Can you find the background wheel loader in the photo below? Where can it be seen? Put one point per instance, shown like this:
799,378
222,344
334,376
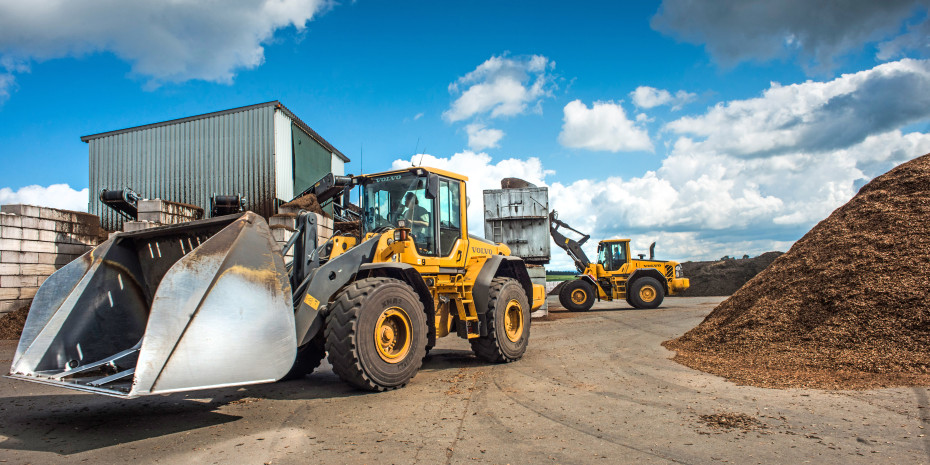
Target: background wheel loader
212,303
615,275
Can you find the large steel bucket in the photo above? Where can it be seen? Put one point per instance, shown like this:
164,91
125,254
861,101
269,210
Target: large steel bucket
201,305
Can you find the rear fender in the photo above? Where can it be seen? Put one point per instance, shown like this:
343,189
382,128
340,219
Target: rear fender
496,266
643,272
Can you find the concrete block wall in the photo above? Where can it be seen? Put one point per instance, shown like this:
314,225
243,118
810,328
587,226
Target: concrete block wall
284,224
34,243
159,212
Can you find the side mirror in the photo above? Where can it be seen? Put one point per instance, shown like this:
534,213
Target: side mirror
432,186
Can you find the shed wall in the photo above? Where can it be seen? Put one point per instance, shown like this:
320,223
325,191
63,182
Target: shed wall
284,157
231,153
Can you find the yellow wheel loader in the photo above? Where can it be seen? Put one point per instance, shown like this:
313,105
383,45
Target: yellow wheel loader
615,275
211,303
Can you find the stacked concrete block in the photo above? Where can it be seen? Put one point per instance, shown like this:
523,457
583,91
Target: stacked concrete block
284,224
167,212
34,243
538,276
133,226
550,285
159,212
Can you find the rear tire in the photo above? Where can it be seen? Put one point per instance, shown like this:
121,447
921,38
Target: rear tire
577,296
508,323
376,334
646,293
309,357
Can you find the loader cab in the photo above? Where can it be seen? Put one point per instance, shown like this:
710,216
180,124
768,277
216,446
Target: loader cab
613,254
428,202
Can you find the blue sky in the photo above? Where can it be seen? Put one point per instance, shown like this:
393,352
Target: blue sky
651,120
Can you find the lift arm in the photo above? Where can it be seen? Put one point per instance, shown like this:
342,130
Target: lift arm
571,247
335,188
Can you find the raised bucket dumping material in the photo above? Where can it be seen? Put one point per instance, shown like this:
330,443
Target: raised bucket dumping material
202,305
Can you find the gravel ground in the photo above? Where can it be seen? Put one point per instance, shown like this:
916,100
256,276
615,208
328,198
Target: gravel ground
594,387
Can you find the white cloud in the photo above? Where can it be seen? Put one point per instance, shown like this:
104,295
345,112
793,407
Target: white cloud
6,82
816,116
483,174
754,175
501,86
54,196
915,39
699,205
164,41
746,176
604,126
480,138
702,205
418,116
740,30
650,97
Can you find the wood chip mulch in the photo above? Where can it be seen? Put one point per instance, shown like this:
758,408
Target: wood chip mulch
729,421
723,277
11,324
307,202
847,307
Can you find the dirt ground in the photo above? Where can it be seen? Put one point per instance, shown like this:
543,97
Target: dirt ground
594,387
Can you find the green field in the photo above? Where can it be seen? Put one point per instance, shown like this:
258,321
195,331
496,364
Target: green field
559,277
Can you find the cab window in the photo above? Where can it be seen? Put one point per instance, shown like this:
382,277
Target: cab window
611,255
390,201
450,221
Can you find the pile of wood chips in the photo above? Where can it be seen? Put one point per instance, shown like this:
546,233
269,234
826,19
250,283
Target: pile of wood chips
723,277
11,324
307,202
848,307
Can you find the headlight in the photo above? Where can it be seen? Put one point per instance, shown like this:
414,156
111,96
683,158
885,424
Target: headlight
678,272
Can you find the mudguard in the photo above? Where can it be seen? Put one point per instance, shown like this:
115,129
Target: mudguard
651,272
499,265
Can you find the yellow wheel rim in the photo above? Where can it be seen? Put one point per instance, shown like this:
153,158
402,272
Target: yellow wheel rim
647,293
513,320
579,296
392,334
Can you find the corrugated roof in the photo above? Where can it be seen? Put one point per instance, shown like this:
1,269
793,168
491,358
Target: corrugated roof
313,134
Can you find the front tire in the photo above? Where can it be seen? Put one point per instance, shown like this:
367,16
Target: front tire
376,334
577,296
508,323
308,358
646,293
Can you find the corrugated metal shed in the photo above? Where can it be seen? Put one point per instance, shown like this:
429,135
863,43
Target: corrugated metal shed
246,150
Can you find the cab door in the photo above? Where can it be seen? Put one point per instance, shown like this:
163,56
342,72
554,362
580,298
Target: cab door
453,239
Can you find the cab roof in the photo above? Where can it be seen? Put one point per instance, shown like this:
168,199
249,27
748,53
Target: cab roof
615,240
419,170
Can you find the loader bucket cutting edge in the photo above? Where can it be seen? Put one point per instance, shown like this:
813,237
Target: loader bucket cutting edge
202,305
